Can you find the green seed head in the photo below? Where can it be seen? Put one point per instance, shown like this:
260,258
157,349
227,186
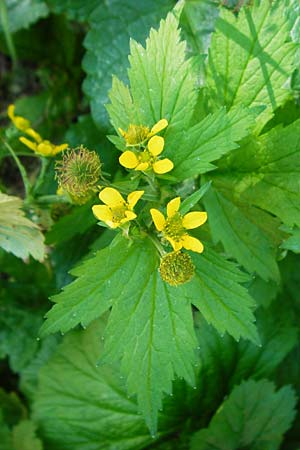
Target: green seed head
176,268
78,174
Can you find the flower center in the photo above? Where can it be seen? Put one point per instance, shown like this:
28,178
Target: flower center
118,213
145,156
174,228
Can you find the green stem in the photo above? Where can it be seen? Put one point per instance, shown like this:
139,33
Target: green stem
21,168
158,245
44,166
7,33
49,199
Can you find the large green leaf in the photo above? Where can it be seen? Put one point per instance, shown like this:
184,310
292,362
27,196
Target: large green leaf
224,362
265,173
240,237
18,234
216,292
150,327
162,84
254,416
251,57
82,405
112,24
207,141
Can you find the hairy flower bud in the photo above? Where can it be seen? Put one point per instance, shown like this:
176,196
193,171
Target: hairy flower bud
176,268
78,174
136,134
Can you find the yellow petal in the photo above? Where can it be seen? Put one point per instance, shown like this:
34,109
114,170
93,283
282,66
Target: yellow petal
156,145
128,159
60,148
45,148
192,243
133,198
160,125
158,219
173,206
142,166
102,212
111,197
130,215
177,245
11,112
28,143
32,133
162,166
194,219
21,123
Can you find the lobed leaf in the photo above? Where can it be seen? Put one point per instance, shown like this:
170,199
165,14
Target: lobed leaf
208,140
265,173
216,292
254,416
240,237
251,57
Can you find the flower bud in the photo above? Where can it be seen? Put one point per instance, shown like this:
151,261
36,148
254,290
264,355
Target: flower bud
78,174
176,268
136,134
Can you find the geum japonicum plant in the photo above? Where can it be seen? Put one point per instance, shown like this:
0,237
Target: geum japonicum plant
192,181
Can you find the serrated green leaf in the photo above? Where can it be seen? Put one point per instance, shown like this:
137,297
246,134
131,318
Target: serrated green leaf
254,416
216,292
162,84
240,237
208,140
153,334
265,173
107,50
194,198
18,234
23,13
251,57
74,9
73,382
150,328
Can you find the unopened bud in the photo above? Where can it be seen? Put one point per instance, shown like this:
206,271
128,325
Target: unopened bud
176,268
78,174
136,134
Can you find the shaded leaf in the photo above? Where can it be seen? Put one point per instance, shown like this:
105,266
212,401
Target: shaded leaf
254,416
251,57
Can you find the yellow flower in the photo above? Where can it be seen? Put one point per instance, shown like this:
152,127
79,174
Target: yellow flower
137,134
175,227
42,147
38,145
116,211
148,159
20,122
